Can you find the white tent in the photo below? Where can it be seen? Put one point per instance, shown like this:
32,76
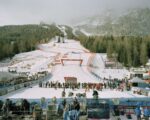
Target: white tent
136,80
7,75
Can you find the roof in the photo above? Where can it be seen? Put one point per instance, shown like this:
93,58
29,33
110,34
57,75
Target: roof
147,81
70,78
136,80
7,75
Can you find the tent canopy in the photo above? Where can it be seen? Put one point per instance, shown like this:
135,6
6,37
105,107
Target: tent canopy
7,76
136,80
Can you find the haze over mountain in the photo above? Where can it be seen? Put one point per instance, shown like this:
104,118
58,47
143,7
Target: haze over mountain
61,11
122,26
133,22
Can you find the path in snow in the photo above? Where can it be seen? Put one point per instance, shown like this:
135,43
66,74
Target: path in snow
74,50
38,93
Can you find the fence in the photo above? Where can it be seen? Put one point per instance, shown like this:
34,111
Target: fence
89,108
9,89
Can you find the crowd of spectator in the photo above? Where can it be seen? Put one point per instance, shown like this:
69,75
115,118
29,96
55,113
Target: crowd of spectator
113,84
68,109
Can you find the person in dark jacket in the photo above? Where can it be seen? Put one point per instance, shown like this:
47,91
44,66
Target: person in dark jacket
6,107
95,94
77,108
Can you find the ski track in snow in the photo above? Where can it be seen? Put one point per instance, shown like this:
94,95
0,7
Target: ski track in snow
72,49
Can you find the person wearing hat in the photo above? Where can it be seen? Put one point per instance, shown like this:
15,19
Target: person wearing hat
54,101
95,94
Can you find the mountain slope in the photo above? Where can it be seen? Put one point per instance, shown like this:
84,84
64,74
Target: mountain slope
22,38
133,23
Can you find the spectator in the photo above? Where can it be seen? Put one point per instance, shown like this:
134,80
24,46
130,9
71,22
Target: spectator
64,102
138,113
37,112
146,113
1,105
25,106
77,108
95,94
54,101
63,93
40,84
60,108
43,103
66,113
6,106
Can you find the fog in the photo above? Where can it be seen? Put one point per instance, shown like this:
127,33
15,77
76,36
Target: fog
60,11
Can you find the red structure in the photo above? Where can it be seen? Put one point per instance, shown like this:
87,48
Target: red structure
62,60
70,80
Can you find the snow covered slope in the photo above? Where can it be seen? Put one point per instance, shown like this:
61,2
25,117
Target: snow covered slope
54,52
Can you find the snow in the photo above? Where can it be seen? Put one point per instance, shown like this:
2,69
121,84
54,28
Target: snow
74,30
38,93
48,54
112,73
99,61
86,33
73,71
33,61
100,70
3,69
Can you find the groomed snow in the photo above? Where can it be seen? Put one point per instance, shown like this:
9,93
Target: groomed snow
37,60
73,71
100,70
38,93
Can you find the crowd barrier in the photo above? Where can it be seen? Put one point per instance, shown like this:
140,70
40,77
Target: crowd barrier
89,108
6,90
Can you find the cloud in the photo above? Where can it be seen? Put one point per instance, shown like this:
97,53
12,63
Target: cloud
59,11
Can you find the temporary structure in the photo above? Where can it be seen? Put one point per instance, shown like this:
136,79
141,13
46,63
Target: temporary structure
136,80
70,80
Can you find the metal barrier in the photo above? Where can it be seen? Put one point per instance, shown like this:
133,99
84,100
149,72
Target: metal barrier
89,108
9,89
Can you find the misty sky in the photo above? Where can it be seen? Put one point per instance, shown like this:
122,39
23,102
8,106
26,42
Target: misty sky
59,11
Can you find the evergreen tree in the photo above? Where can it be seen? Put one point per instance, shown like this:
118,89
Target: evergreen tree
128,49
110,49
143,53
131,50
22,38
58,39
135,56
